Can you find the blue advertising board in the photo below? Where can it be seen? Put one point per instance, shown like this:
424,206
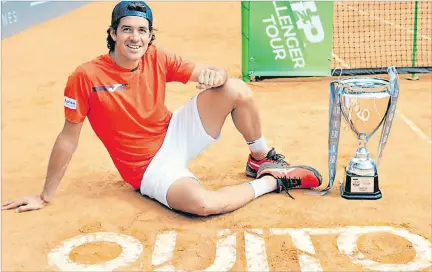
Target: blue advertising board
20,15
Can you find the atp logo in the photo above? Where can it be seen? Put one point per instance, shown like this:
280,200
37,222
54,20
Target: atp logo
310,24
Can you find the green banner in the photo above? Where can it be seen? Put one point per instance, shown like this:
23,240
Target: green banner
286,38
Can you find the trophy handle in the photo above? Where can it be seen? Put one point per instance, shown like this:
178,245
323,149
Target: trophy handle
394,94
333,137
394,80
334,93
334,132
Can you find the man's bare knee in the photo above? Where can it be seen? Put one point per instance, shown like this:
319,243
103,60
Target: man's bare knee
237,90
205,207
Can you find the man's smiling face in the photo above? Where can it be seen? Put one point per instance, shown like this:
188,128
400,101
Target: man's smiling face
132,38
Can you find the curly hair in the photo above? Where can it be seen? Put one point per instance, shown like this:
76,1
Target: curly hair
136,6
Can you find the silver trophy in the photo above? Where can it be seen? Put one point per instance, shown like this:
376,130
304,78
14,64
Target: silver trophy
366,104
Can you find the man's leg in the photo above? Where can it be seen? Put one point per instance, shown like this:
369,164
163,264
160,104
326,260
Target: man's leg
235,97
185,194
188,196
214,105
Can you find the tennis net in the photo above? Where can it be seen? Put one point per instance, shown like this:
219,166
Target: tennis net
369,36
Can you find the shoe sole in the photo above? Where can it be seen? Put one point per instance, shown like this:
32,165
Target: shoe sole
273,166
250,172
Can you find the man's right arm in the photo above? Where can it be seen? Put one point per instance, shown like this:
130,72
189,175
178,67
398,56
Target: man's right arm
64,147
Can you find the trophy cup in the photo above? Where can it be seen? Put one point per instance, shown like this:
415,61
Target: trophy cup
366,104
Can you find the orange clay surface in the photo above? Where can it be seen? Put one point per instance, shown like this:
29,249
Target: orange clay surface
93,198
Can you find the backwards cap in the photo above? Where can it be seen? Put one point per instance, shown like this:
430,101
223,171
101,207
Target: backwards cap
121,10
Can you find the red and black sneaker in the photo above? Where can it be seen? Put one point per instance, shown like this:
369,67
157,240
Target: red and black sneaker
291,177
252,165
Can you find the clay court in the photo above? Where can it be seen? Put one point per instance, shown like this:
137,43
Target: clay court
92,197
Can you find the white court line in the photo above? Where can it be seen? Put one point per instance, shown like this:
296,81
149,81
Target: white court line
415,128
384,21
346,65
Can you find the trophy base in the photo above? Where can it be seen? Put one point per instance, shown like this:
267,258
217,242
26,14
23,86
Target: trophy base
361,187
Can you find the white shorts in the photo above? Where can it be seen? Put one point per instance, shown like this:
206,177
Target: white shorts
185,139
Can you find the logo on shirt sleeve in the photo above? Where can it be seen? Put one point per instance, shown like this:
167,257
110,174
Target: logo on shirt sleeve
70,103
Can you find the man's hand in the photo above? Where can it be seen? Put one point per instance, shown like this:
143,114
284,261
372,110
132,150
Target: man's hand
64,147
28,203
209,78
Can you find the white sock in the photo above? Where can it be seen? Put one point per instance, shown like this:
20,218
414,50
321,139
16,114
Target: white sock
259,146
263,186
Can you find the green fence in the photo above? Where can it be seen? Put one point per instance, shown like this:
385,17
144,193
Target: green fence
286,38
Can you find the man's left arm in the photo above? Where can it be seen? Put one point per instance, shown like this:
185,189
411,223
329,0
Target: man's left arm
208,76
181,70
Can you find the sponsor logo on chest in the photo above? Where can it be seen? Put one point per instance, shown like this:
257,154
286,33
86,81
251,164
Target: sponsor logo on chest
110,88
